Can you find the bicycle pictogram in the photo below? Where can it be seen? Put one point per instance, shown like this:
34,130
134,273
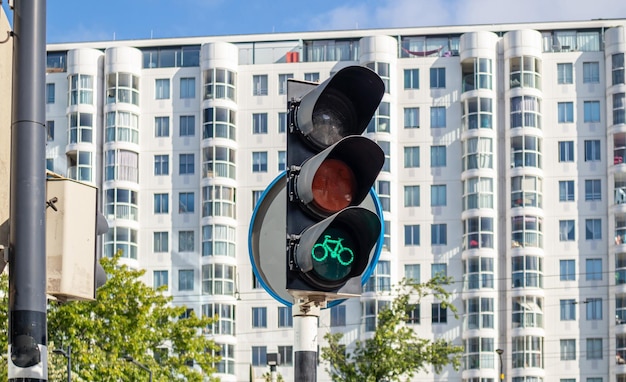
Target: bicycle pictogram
335,248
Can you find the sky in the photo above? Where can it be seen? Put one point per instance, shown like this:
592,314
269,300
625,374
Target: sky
97,20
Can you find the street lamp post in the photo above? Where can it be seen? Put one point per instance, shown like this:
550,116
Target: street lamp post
130,359
500,351
67,354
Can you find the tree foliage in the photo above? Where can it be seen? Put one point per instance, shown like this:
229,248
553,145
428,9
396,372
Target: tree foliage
128,318
395,351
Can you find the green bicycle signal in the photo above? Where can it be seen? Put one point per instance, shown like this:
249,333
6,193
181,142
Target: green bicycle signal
335,249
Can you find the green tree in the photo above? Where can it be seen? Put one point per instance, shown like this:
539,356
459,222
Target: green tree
395,352
131,318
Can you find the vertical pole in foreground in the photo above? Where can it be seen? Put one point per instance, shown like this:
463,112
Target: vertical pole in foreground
28,353
305,318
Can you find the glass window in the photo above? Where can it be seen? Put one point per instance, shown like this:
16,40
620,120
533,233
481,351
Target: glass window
282,122
526,151
185,279
259,123
438,269
50,96
218,200
439,234
411,196
619,108
282,82
186,241
187,126
477,113
593,229
282,160
411,117
338,316
437,117
381,279
479,314
477,153
186,202
527,351
160,242
412,234
259,85
567,270
162,126
188,87
259,356
312,77
218,161
527,231
594,309
411,79
565,112
81,89
186,164
591,72
219,83
160,279
525,112
259,161
218,240
437,78
593,189
564,73
439,313
593,269
568,350
412,273
162,88
383,188
49,131
594,348
286,355
478,233
566,191
411,157
259,317
568,310
413,315
438,195
161,203
525,71
438,156
567,230
617,68
285,317
591,111
592,150
566,151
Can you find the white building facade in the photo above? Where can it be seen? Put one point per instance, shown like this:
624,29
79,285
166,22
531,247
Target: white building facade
505,168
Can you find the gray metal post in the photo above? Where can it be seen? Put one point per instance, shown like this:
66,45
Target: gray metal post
28,353
305,319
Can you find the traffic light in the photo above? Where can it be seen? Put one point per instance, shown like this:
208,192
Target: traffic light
331,169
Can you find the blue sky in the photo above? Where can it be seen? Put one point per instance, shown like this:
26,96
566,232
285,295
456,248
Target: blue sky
93,20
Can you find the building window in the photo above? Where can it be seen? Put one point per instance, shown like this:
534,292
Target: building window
386,146
527,312
438,156
160,242
527,271
592,150
185,279
477,153
50,96
527,231
186,164
479,273
383,188
619,108
437,78
412,273
477,113
594,309
568,350
225,323
161,203
122,127
50,164
282,161
527,351
219,122
413,314
617,68
568,310
186,241
160,279
593,189
49,131
594,348
564,73
591,72
526,151
566,151
593,269
282,82
478,233
338,316
218,200
259,317
188,87
412,78
525,112
187,126
567,270
437,117
81,89
411,117
411,157
565,112
81,127
312,77
380,120
438,195
186,202
439,313
259,356
566,191
525,72
286,355
479,313
439,234
218,279
381,279
591,111
219,83
218,161
438,270
259,123
411,196
412,234
162,126
259,161
282,123
285,317
567,230
162,88
593,229
259,85
218,240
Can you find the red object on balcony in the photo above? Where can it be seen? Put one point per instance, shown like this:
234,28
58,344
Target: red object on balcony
293,57
617,160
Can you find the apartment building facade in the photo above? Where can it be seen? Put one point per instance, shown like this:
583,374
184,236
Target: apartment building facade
504,168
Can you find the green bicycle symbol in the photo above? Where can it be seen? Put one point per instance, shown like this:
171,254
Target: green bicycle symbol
336,250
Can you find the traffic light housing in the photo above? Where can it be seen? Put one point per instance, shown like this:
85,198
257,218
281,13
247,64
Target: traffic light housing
331,169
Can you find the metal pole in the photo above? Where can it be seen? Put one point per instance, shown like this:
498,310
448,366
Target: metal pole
305,318
68,355
500,351
28,353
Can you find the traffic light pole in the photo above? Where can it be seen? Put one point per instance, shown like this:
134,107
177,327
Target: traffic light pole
27,239
306,314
